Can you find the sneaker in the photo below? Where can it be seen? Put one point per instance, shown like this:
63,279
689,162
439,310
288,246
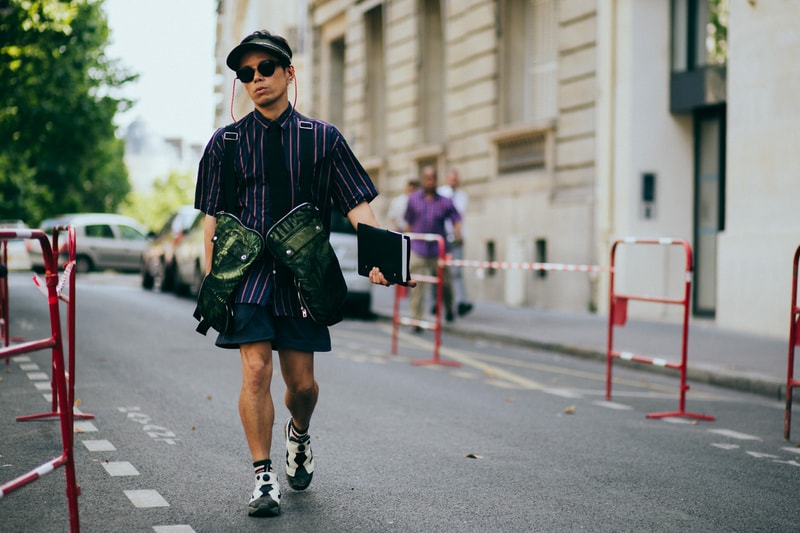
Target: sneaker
299,458
266,499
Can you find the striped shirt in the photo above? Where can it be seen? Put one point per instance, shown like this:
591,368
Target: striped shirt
427,215
338,176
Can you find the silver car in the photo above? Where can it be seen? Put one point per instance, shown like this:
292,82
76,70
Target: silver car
102,241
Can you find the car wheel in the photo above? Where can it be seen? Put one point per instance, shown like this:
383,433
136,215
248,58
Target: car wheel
147,278
83,264
170,274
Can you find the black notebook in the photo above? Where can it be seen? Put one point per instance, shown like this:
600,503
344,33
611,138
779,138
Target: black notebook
388,250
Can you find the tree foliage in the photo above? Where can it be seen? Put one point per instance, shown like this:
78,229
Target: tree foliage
167,195
58,148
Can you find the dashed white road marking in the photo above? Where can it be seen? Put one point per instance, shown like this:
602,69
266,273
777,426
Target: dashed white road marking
733,434
28,367
725,446
83,426
564,393
146,498
173,529
21,359
120,468
759,455
677,420
791,449
100,445
42,385
37,376
613,405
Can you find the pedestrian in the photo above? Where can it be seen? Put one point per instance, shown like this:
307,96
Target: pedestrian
427,212
267,313
398,205
452,189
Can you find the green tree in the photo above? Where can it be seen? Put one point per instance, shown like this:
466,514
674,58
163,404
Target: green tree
59,151
166,196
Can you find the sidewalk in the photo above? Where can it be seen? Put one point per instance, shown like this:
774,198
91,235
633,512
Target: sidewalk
719,357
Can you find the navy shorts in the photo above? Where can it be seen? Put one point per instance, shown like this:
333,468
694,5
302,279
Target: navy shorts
255,323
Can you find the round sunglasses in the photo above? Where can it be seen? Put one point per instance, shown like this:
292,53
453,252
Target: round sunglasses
266,68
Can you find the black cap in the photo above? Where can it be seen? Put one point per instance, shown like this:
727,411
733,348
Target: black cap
264,42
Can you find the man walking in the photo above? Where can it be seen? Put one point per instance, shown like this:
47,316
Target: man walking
427,212
267,313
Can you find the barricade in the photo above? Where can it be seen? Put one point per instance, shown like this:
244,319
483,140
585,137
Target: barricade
618,315
60,377
794,341
436,326
5,335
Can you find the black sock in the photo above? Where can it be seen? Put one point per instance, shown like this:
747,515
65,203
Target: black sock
297,432
262,466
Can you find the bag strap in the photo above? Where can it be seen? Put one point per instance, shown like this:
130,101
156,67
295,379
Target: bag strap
230,137
306,159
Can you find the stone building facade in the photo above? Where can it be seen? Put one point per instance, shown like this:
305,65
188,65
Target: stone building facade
575,123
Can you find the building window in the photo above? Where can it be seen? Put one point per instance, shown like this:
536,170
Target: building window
528,60
376,81
432,70
528,152
699,34
336,83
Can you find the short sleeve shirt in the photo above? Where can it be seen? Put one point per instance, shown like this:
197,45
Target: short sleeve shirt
428,215
338,181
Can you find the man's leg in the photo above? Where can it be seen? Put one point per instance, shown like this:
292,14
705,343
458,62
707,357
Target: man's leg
417,266
463,305
258,414
255,398
302,392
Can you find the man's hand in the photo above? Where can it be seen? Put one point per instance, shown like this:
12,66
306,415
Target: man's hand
376,277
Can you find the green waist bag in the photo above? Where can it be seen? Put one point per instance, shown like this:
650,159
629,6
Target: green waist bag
299,243
236,248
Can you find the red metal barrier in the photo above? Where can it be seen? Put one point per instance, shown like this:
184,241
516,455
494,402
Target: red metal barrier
794,341
618,315
69,274
5,335
436,326
60,376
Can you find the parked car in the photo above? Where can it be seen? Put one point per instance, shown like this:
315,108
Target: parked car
190,254
17,257
158,258
189,259
345,244
102,241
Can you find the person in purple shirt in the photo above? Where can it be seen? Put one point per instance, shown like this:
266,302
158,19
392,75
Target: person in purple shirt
267,313
427,212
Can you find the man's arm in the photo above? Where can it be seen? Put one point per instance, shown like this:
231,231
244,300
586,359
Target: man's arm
209,227
362,213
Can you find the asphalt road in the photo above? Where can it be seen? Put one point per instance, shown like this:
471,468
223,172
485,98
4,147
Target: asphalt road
510,440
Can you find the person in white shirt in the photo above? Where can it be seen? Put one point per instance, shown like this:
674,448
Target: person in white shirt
451,190
398,205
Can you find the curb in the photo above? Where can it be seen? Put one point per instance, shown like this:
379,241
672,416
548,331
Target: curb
760,385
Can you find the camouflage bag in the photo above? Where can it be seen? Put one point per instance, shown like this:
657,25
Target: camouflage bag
236,248
298,242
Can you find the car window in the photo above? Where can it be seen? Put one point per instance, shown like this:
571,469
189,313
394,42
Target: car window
102,231
131,234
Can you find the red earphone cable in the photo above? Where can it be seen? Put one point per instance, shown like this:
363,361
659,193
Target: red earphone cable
233,92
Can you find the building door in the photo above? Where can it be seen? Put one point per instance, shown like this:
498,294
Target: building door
709,209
